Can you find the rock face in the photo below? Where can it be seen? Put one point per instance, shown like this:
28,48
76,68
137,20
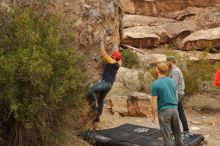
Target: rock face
141,36
130,80
162,7
134,80
197,55
153,36
119,104
139,104
100,18
174,21
124,97
152,59
140,20
119,89
144,7
94,19
209,38
145,31
4,3
135,104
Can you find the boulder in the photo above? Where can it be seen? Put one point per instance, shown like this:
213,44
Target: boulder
147,32
149,59
199,3
197,55
153,36
139,104
140,20
134,80
4,3
152,59
165,8
119,88
215,57
119,104
144,36
135,104
146,58
213,107
128,6
174,30
209,38
140,7
127,82
142,40
186,13
162,7
202,18
206,20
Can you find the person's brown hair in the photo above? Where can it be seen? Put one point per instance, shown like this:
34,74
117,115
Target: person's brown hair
163,68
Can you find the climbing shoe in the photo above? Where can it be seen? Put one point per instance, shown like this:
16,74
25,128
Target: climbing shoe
187,135
97,118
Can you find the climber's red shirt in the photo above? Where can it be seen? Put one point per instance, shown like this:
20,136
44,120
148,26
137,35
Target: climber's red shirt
217,78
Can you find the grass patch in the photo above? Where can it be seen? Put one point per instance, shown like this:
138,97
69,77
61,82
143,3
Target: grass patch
200,101
130,59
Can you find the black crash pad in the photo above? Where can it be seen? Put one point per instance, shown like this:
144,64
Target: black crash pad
132,135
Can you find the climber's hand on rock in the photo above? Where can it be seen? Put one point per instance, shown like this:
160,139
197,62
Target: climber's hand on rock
102,44
102,35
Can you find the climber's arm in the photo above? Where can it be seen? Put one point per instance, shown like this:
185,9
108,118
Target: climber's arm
105,54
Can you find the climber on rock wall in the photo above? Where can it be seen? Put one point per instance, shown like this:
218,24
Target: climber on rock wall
104,86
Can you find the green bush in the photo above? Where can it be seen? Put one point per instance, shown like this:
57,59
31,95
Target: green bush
40,77
199,76
130,59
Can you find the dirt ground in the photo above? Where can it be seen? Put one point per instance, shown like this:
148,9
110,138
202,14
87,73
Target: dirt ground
207,124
